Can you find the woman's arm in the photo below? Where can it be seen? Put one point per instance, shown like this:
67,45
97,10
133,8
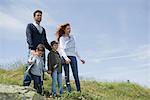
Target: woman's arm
77,54
61,49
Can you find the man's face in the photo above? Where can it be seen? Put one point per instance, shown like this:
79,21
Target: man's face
38,17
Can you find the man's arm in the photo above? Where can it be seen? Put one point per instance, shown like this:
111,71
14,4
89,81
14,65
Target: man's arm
61,50
47,46
29,37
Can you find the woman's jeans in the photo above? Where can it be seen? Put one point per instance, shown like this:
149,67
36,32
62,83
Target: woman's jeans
56,77
74,68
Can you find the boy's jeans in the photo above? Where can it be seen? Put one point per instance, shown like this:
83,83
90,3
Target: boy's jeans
37,83
74,68
56,77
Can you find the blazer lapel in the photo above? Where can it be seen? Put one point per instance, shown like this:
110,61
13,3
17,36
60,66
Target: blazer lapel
35,29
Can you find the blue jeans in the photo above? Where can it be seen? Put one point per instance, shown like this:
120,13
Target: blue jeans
74,68
27,79
37,83
56,77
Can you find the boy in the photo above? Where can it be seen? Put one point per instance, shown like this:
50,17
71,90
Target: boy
35,70
55,68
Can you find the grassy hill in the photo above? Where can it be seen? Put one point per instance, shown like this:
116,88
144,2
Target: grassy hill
91,90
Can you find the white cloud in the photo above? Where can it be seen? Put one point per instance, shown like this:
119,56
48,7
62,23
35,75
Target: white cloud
11,27
9,23
20,15
141,53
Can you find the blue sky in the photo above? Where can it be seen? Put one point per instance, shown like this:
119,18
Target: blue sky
113,36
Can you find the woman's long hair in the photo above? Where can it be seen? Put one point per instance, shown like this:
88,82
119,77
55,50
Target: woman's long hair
61,30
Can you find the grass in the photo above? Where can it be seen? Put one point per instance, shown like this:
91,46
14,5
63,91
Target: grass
91,90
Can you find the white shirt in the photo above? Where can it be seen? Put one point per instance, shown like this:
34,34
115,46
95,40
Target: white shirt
39,28
67,47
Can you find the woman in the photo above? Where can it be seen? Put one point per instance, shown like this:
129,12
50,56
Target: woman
67,49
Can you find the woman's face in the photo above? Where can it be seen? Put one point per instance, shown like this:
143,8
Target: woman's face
67,30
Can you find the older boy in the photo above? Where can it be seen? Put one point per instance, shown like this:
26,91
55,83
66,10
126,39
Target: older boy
55,66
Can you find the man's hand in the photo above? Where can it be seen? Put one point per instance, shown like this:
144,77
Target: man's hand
33,52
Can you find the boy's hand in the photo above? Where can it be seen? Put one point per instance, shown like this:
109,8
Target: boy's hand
49,71
30,61
82,61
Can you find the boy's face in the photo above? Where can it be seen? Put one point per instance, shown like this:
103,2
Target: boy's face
55,47
40,53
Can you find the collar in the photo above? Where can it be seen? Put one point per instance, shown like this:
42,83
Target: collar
39,28
54,51
36,24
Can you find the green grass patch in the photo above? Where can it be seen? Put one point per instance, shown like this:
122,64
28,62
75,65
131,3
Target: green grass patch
91,90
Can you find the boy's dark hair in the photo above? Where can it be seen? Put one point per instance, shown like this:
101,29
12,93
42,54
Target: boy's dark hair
40,47
53,42
37,11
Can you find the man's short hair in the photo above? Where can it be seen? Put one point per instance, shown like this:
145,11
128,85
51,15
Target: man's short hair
53,42
37,11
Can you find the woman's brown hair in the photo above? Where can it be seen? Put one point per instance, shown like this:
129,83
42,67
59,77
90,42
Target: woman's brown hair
61,30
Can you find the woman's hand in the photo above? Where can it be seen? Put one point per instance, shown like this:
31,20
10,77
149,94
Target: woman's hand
68,61
82,61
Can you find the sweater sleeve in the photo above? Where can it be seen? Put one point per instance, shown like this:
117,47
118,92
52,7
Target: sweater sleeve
29,37
47,46
44,69
49,62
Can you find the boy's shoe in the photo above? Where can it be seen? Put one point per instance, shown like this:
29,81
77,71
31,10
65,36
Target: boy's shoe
52,97
79,91
59,95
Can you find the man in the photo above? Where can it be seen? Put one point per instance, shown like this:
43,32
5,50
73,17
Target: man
35,35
